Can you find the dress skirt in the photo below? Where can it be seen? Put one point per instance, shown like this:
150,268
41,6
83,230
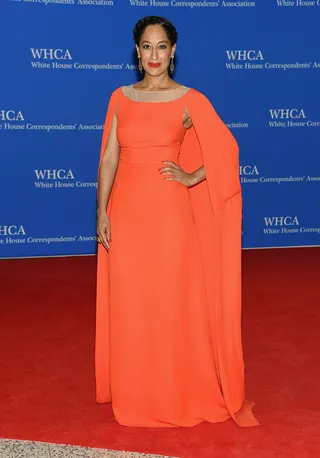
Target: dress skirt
161,362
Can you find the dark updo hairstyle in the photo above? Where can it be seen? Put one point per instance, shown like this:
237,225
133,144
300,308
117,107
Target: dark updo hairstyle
143,23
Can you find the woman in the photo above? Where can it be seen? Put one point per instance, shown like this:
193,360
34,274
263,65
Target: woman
168,337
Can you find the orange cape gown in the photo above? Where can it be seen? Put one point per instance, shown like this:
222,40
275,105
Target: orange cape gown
217,208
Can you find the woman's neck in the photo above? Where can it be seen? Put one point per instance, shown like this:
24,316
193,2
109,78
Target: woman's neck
153,83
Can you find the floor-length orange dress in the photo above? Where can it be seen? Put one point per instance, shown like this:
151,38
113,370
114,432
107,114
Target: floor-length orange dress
157,352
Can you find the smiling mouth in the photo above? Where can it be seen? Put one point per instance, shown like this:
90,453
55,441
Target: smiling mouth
154,65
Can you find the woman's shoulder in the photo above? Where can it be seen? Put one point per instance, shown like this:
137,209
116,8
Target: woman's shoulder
198,96
115,95
197,93
116,91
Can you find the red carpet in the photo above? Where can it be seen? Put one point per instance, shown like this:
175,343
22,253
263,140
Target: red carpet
46,357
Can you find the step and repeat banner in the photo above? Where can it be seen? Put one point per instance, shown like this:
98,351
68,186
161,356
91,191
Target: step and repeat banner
257,61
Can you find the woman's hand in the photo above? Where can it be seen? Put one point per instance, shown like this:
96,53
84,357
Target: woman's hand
173,172
104,230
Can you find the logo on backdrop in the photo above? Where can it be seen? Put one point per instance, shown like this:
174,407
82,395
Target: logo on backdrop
237,125
17,120
290,117
251,174
298,3
11,115
13,234
69,2
63,59
152,3
59,178
289,225
255,59
12,230
17,234
193,4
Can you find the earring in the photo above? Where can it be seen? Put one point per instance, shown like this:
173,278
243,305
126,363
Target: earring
140,65
172,65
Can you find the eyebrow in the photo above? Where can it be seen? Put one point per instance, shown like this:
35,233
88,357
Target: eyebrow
161,41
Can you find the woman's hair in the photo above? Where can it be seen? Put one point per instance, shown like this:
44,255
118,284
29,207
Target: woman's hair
143,23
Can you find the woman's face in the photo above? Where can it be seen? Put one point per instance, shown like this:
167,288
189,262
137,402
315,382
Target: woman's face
155,50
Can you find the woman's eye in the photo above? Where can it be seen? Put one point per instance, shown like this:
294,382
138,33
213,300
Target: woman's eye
148,46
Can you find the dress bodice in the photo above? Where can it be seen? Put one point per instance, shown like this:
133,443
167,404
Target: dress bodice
150,124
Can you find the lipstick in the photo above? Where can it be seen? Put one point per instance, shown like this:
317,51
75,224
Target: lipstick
154,65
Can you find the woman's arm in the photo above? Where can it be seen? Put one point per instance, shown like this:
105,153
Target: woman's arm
106,175
175,173
198,175
108,168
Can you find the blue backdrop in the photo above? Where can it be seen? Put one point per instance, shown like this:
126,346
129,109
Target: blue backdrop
257,61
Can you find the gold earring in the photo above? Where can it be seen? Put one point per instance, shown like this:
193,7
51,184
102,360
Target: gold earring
172,65
140,65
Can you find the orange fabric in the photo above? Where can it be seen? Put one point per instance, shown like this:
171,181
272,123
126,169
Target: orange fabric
168,328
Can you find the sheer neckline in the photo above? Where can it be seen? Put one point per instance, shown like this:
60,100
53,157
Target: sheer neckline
140,96
157,92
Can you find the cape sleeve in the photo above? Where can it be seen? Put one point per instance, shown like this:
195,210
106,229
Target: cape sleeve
103,393
217,208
